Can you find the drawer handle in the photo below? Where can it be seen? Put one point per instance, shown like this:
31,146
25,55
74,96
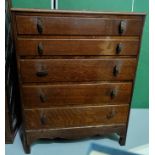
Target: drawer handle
115,70
119,48
113,93
111,114
43,119
40,49
42,73
122,27
43,97
39,26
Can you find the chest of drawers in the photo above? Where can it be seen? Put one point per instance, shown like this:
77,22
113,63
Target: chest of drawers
76,72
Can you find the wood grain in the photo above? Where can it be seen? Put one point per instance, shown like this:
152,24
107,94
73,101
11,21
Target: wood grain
75,12
46,96
73,70
76,117
74,133
107,46
77,26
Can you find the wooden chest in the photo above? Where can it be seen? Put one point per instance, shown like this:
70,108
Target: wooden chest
76,72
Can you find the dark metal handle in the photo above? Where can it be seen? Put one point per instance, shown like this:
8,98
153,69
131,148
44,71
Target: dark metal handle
119,48
122,27
113,94
39,25
43,119
40,49
115,70
43,97
42,73
111,114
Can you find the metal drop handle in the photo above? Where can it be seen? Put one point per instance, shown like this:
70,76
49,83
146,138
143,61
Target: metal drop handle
42,71
43,97
115,70
39,25
111,114
40,49
43,119
119,48
113,94
122,27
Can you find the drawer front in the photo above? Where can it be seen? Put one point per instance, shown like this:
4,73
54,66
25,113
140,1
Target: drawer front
72,70
42,25
75,117
106,46
42,96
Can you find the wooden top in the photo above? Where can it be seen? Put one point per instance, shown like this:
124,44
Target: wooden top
76,12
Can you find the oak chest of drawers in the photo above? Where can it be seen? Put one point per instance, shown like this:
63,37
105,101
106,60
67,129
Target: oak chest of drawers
76,72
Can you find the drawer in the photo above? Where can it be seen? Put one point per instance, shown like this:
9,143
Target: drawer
40,96
44,25
75,117
76,70
105,46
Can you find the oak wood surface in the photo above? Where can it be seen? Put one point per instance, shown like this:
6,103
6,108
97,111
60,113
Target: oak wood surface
74,133
75,12
46,96
77,26
63,70
105,46
75,117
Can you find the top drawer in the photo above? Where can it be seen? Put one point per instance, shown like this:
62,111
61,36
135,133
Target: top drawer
44,25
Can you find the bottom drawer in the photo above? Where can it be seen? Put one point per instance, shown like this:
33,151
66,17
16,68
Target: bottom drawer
69,117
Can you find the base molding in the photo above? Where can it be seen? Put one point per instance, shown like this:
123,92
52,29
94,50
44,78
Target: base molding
29,136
